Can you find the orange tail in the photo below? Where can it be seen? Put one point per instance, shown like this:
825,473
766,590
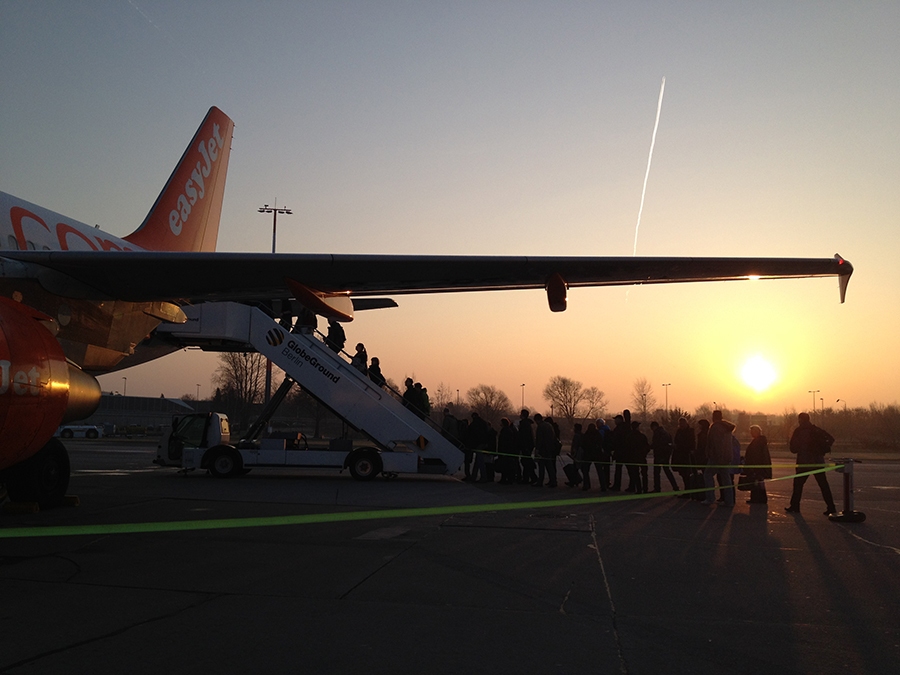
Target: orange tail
185,216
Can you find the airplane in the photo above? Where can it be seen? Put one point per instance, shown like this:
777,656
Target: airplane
76,302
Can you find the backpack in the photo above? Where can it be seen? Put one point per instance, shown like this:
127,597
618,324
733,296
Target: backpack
821,441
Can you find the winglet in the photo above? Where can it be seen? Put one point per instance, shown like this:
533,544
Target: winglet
185,216
845,270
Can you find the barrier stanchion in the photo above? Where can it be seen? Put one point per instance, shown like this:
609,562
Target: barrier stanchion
848,515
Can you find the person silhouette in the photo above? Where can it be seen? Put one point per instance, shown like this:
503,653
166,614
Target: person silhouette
810,444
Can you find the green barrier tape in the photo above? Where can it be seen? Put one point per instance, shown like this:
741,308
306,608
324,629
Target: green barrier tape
309,519
613,463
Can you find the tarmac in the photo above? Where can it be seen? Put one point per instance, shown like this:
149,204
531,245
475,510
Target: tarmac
492,579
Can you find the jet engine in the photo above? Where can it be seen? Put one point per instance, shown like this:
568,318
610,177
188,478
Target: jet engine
39,390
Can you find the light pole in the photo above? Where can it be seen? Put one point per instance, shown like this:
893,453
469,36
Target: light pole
814,392
840,400
274,210
667,385
124,386
523,396
198,391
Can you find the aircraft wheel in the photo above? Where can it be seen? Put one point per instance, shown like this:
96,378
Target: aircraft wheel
364,464
225,462
42,478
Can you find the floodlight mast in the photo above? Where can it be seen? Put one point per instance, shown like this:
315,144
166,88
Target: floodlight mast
274,210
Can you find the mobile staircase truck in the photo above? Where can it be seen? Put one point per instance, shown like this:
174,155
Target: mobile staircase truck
402,442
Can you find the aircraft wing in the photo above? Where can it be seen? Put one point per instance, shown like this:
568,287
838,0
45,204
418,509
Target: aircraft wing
197,277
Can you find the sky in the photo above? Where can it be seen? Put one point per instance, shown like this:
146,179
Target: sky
518,128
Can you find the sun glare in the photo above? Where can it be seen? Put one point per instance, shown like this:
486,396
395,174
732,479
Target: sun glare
758,373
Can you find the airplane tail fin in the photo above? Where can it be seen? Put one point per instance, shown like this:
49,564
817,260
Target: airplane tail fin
185,216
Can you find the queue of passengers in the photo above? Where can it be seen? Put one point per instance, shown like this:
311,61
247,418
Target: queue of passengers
527,453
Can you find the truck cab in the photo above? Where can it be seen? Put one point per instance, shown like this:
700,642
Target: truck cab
191,433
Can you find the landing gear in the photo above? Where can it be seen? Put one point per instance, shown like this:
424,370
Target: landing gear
42,478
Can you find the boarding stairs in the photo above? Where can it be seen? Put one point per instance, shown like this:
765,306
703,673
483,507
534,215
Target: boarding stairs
407,443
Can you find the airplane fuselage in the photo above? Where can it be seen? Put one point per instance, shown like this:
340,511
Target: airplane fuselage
94,334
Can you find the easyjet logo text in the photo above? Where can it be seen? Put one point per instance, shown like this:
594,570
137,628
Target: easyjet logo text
19,216
22,382
195,187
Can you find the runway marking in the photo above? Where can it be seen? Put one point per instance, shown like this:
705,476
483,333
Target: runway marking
895,550
562,607
623,665
320,518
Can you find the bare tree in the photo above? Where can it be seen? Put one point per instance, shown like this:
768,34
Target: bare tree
642,398
441,398
675,414
490,403
594,403
242,374
393,389
571,400
788,421
704,411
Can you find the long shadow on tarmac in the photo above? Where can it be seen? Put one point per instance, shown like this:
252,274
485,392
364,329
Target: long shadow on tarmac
660,585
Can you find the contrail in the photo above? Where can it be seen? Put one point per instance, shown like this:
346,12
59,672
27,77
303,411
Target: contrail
662,88
141,12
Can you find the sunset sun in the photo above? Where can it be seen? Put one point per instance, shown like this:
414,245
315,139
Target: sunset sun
758,373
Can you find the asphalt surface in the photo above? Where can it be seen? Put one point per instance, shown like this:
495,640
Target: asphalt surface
658,585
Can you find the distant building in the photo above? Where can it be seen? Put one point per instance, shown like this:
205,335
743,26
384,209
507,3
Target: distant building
117,413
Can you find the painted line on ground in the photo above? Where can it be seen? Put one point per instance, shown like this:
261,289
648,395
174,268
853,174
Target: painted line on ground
348,516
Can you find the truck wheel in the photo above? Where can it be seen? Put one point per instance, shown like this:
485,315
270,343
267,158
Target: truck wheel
91,433
67,433
225,462
364,464
42,478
